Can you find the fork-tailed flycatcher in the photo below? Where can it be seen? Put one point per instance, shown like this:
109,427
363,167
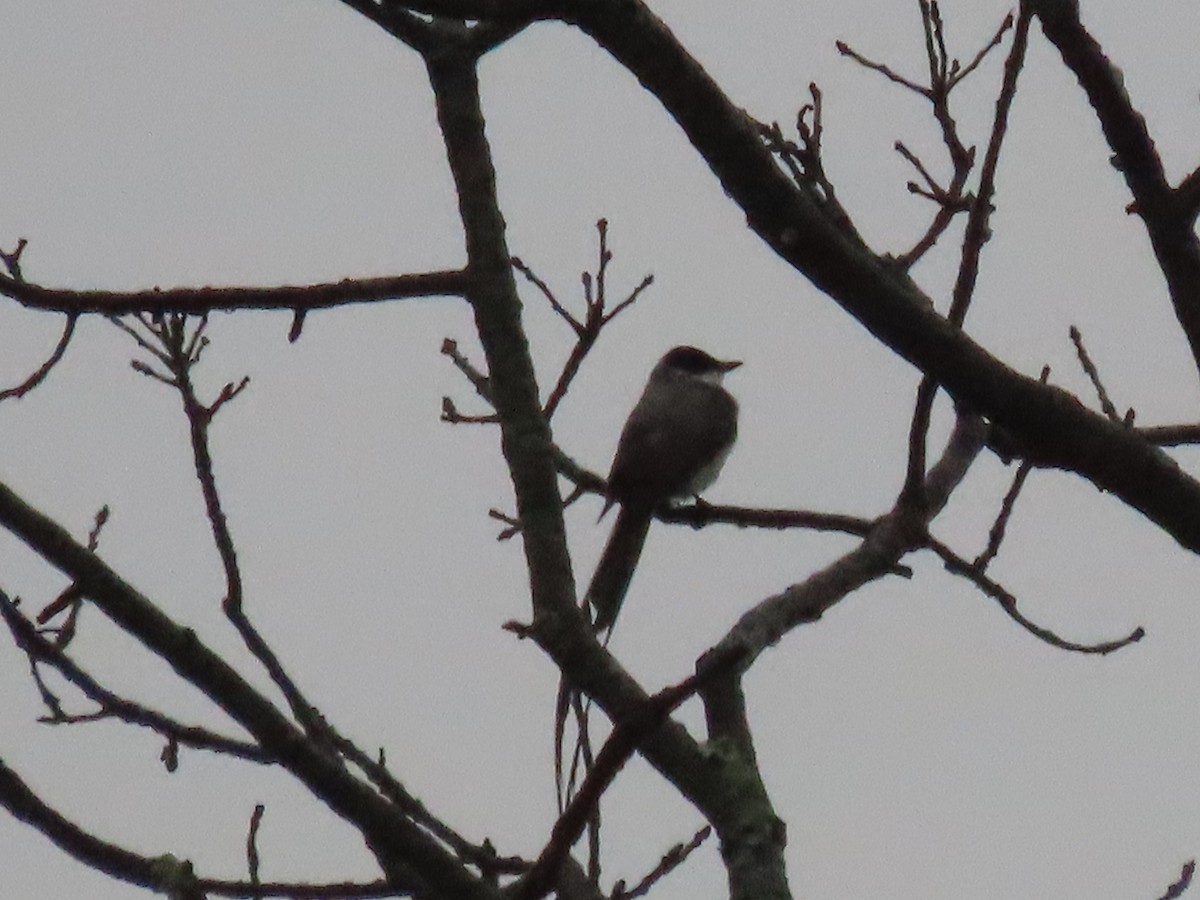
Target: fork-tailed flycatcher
672,447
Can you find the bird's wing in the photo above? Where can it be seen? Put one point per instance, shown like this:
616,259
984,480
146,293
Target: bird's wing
659,461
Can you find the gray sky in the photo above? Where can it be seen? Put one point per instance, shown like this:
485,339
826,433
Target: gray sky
917,743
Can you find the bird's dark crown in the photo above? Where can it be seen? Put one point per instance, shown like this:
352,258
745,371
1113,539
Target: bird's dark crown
695,361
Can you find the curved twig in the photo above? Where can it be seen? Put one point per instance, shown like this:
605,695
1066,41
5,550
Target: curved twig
959,566
39,374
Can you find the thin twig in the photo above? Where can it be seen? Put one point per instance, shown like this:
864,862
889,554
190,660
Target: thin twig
1000,526
544,288
252,843
73,595
913,491
181,348
451,414
112,705
1093,375
478,380
40,373
597,314
672,859
152,348
959,74
604,258
959,566
611,314
888,73
934,191
12,261
1185,879
977,230
804,162
479,855
622,743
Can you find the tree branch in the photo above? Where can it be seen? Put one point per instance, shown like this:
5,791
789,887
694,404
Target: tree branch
33,643
196,301
1044,423
409,856
39,375
160,874
892,536
1168,216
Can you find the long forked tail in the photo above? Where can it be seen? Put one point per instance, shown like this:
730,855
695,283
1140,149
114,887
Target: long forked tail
617,563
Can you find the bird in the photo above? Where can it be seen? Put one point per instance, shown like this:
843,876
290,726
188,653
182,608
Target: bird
672,447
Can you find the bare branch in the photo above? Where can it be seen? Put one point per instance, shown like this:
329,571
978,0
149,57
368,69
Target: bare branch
596,314
1171,435
40,373
1169,220
888,73
252,843
913,491
672,860
451,414
537,282
698,515
803,160
1093,375
631,299
194,301
340,890
621,744
494,10
978,229
1000,526
1008,603
953,199
959,74
1185,879
161,874
398,22
112,705
12,261
482,856
478,380
402,847
891,536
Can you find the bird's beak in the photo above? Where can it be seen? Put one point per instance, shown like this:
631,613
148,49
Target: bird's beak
730,365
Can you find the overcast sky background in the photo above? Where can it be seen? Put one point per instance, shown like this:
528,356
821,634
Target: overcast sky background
917,743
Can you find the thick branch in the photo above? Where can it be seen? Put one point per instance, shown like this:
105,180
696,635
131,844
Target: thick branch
411,858
901,530
163,874
1047,425
1169,217
525,434
492,10
753,837
25,805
